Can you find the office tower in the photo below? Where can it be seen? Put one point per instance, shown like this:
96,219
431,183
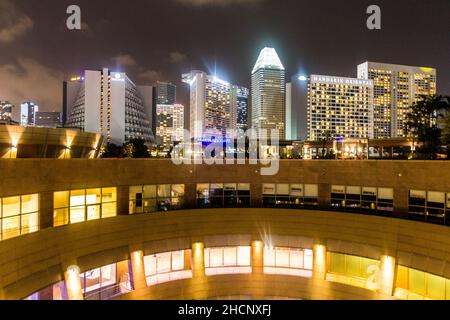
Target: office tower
170,124
48,119
166,93
239,107
340,107
6,108
396,89
110,103
27,113
71,89
268,92
210,103
289,119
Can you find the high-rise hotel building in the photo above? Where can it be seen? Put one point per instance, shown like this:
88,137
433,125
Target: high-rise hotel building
210,103
169,124
239,107
340,107
108,102
269,92
396,89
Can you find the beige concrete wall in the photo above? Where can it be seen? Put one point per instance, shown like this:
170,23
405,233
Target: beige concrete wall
30,263
41,176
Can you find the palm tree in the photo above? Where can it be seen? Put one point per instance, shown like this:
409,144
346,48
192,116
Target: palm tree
422,123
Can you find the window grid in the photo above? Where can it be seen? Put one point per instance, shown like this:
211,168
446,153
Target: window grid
82,205
15,224
290,195
362,199
223,195
153,198
422,208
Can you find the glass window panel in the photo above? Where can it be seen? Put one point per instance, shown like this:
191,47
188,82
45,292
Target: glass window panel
177,260
354,190
438,197
448,200
229,257
415,194
11,206
435,287
417,282
353,266
77,214
77,198
386,193
30,223
369,191
202,190
230,186
311,190
11,227
150,265
244,256
308,259
109,194
338,189
337,263
91,280
164,262
93,212
269,258
282,258
60,217
296,259
164,191
216,258
402,278
93,196
134,190
61,199
149,191
109,210
269,189
282,189
30,203
296,190
108,275
244,186
177,190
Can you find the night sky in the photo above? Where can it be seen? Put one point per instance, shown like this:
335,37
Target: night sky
160,39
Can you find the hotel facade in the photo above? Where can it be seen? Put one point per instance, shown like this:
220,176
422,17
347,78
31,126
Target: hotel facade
339,107
396,89
109,103
169,124
269,92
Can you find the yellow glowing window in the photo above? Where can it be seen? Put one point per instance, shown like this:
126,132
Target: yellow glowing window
19,215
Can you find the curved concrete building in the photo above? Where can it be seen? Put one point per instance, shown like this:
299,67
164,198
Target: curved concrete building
147,229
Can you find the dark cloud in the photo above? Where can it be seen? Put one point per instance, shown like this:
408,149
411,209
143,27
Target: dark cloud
13,23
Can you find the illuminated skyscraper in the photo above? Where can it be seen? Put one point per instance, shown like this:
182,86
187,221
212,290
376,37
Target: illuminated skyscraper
340,107
269,92
6,111
210,103
239,107
169,124
27,113
166,93
109,103
396,88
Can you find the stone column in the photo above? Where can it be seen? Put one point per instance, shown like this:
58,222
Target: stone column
73,281
198,259
387,275
137,267
319,261
257,257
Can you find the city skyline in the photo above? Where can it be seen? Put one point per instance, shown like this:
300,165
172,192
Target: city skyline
302,52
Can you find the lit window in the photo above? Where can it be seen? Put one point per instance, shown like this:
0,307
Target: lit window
19,215
227,260
168,266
